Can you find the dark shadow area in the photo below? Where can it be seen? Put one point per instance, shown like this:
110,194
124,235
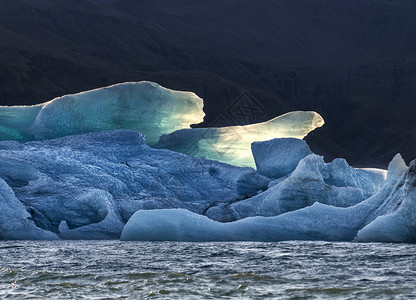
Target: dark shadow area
352,61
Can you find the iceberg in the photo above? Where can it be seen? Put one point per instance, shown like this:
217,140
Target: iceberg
87,186
232,144
313,180
111,185
143,106
398,223
388,215
80,175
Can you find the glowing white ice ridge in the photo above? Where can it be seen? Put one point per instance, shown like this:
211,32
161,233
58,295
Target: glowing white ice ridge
232,144
143,106
154,111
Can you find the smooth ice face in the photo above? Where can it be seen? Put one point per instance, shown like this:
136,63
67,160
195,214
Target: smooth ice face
173,225
143,106
232,144
279,157
87,186
16,122
318,222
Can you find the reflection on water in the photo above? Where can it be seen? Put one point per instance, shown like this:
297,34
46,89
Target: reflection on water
285,270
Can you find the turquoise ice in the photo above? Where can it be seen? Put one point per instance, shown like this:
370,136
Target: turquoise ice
232,144
142,106
154,111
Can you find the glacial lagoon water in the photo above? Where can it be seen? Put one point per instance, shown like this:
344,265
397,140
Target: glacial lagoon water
169,270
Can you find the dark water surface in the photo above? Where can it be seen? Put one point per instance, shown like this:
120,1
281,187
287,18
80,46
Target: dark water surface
135,270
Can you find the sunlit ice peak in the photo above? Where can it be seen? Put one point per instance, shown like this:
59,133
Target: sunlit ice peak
232,144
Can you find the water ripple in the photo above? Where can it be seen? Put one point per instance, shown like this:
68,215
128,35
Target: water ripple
135,270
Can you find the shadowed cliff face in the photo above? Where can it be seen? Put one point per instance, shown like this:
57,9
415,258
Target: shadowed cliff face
352,61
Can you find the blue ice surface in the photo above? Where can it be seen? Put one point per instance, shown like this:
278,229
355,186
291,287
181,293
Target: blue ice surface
89,186
387,216
80,181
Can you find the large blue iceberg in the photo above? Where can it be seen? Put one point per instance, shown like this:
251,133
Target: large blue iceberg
110,184
63,176
88,186
387,216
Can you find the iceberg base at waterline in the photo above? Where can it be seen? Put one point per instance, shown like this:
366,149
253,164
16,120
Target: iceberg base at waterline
75,180
387,216
110,184
87,186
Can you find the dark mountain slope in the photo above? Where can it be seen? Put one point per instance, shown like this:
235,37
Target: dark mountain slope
352,61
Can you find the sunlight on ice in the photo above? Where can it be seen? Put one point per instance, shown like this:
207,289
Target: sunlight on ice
143,106
103,185
162,115
381,171
232,144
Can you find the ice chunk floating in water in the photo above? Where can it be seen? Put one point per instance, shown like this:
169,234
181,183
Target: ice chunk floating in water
232,144
87,186
143,106
387,216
